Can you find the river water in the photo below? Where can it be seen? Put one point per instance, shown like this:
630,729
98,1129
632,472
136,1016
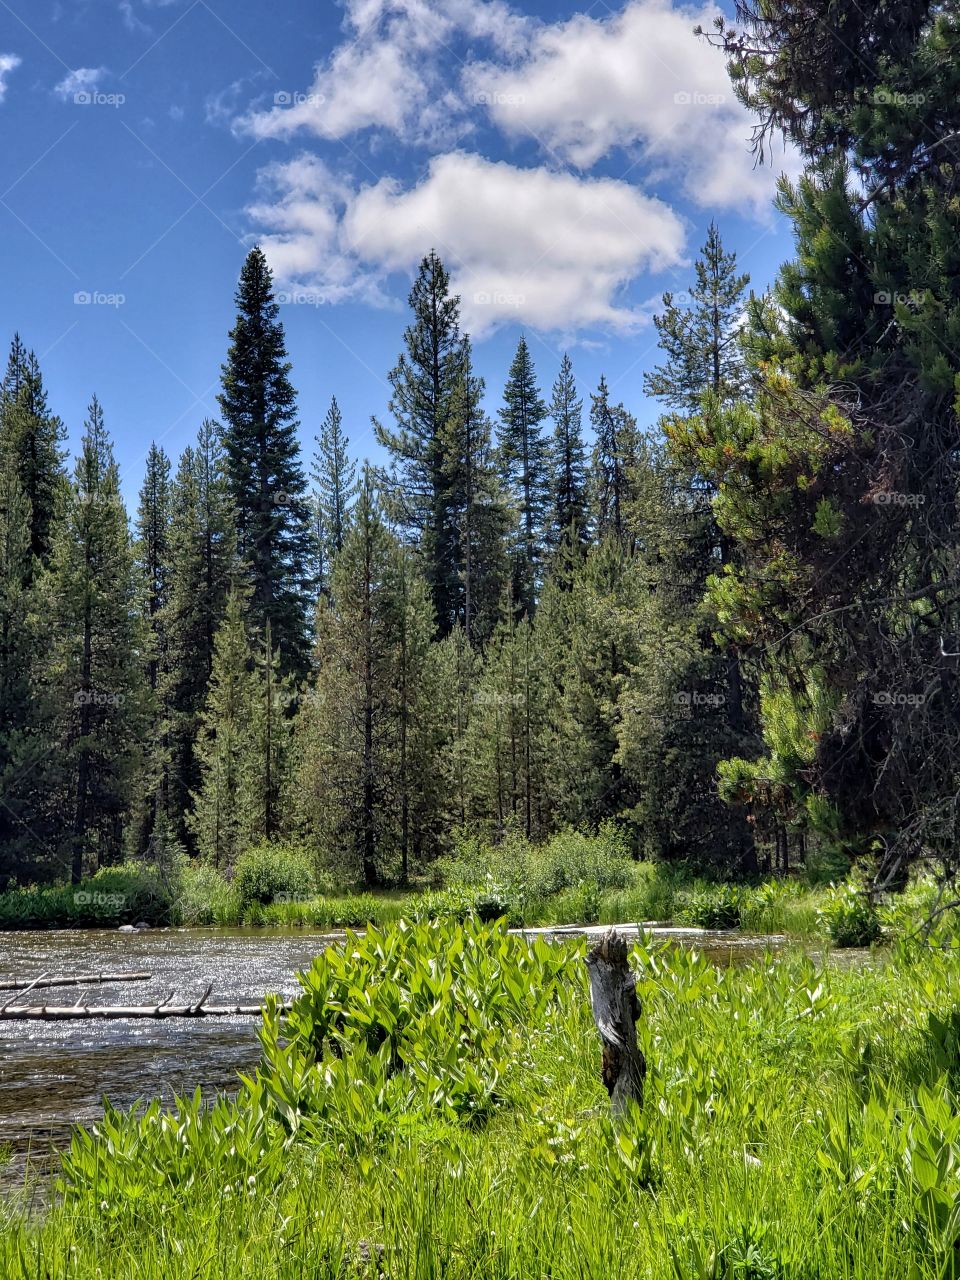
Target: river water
54,1075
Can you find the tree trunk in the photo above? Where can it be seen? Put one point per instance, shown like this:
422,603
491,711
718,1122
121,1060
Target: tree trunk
613,998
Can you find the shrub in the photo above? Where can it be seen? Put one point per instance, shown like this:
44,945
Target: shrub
124,894
524,875
424,1017
850,917
712,906
269,872
202,895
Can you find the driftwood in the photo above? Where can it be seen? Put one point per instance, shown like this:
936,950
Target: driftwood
11,1012
78,980
613,998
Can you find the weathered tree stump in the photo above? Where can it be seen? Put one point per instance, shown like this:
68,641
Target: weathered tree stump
613,998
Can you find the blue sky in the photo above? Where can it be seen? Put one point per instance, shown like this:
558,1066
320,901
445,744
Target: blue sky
563,160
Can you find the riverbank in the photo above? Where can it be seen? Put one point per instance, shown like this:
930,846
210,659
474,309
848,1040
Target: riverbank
799,1122
572,879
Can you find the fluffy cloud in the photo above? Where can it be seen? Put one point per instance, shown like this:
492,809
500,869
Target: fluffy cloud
388,73
83,80
547,249
8,62
638,80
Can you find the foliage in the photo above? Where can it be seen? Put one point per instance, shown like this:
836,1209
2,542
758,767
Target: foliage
125,894
800,1122
850,917
267,872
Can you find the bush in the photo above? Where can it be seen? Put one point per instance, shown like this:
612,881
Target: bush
271,872
850,917
524,875
715,906
125,894
203,896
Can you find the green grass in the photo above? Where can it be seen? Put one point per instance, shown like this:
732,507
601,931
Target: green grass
800,1123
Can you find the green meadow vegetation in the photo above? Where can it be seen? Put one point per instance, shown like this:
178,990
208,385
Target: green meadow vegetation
569,879
432,1106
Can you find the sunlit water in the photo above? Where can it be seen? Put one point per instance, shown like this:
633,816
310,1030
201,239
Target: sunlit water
54,1075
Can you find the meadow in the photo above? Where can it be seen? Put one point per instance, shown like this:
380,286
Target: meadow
432,1107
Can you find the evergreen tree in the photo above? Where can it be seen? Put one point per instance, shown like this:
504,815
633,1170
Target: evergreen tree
271,725
702,341
458,669
228,808
335,490
367,768
263,464
22,736
475,508
94,679
839,483
525,463
202,552
569,496
31,440
423,384
153,552
507,731
616,445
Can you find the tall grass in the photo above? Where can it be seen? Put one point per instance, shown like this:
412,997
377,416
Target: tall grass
800,1123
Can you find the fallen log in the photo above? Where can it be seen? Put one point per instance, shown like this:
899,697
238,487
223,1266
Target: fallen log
68,1013
78,980
613,999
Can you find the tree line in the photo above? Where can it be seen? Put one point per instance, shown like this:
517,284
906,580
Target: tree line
736,635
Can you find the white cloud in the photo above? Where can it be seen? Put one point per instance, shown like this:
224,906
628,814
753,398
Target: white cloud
522,245
390,72
83,80
638,80
8,62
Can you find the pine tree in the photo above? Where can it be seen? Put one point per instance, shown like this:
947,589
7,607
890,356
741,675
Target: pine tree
228,808
335,490
202,567
263,463
271,724
510,764
569,496
31,440
22,727
94,679
525,463
153,552
702,341
476,512
423,384
367,768
615,450
458,668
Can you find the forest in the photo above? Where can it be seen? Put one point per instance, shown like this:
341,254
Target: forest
418,722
